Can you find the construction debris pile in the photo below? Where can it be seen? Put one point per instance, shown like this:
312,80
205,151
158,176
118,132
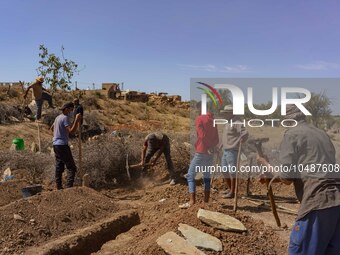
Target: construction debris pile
175,101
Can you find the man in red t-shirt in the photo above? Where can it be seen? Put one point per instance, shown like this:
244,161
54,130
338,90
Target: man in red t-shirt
207,140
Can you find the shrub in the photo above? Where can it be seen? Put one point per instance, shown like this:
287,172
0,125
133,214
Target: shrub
105,159
50,116
6,111
12,93
91,102
91,125
39,165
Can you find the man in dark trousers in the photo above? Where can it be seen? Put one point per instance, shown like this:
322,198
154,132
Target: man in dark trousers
157,142
39,94
309,155
63,155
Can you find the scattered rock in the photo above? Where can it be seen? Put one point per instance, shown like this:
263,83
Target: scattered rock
86,180
220,221
199,238
34,147
6,173
187,145
13,119
176,245
18,217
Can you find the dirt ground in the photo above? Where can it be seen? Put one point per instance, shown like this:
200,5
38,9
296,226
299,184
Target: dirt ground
158,207
53,214
50,215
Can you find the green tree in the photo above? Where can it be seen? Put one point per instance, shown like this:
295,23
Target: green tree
319,107
57,71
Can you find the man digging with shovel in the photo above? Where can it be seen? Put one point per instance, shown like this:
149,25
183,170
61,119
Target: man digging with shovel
160,143
303,149
61,130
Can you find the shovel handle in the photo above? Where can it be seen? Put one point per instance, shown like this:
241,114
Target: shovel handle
272,203
270,190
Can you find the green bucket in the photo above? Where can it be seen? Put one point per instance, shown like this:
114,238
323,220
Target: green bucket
19,144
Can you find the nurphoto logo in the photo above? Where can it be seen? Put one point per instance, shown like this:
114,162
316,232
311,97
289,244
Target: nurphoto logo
238,103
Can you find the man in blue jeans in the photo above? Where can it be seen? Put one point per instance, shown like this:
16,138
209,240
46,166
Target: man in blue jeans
61,130
233,135
207,139
39,94
304,149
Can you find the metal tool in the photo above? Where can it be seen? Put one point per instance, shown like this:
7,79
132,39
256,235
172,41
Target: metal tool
236,176
128,167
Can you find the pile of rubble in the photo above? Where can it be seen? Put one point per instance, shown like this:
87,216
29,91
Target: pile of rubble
168,100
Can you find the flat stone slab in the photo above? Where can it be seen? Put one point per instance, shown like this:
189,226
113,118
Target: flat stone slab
199,238
176,245
220,221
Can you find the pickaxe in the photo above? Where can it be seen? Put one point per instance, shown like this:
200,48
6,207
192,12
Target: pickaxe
258,144
128,167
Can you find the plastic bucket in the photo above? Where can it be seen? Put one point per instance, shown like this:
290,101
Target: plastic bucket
31,190
19,144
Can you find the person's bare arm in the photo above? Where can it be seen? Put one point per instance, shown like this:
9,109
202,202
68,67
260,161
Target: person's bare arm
73,129
264,162
26,92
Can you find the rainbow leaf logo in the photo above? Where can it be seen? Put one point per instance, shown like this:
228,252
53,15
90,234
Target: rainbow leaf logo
211,92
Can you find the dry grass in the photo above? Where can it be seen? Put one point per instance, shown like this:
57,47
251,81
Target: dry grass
6,111
40,166
105,159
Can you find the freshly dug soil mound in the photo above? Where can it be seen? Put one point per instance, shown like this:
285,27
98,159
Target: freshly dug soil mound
51,214
11,191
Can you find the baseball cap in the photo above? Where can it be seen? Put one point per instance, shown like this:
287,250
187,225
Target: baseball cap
67,105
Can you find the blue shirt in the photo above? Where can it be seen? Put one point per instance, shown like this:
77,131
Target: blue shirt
60,136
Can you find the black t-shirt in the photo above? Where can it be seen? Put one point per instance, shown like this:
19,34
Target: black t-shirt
79,109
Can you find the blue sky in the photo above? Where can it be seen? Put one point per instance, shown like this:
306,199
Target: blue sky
158,45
